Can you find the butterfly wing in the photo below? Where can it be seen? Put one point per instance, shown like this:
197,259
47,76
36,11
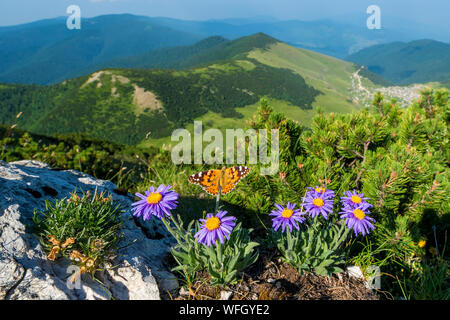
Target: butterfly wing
208,180
232,176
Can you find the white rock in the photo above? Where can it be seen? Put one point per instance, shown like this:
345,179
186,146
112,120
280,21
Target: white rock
372,282
183,291
355,272
225,295
25,273
10,273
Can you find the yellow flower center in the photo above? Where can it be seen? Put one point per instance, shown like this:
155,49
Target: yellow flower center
356,199
154,198
359,214
212,223
287,213
320,190
318,202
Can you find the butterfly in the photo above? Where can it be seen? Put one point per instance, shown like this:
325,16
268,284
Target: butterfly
223,181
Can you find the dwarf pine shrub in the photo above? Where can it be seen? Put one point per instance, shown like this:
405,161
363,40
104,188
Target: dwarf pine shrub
398,157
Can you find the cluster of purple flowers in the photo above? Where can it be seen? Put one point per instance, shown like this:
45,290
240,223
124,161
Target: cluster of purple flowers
160,201
355,210
319,201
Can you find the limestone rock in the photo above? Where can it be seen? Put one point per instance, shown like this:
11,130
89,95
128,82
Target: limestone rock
25,273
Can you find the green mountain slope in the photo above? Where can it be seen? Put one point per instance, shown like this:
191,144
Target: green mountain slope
406,63
128,105
329,75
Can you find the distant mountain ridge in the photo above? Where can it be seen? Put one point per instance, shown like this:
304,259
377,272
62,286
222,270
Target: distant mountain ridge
46,52
403,63
326,36
215,48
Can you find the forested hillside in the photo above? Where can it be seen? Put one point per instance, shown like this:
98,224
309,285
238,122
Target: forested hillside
402,63
224,80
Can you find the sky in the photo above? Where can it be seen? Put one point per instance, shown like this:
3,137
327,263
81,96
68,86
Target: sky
429,12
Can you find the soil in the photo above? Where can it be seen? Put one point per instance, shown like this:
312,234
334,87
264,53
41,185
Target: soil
272,279
146,99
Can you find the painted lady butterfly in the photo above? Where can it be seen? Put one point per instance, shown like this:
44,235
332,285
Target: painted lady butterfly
223,181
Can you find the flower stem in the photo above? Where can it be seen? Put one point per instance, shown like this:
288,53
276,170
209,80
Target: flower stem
177,225
217,201
169,228
219,251
343,237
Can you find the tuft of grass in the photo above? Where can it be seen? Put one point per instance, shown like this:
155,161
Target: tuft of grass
83,229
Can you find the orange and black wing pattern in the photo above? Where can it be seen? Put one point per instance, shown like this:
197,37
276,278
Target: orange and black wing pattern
232,176
209,180
225,180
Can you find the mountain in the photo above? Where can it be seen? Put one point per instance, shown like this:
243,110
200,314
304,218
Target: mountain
215,48
171,58
334,38
403,63
128,105
46,52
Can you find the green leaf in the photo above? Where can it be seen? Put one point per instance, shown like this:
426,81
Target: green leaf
321,271
230,276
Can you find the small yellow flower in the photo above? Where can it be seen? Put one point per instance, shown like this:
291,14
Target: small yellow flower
57,246
54,253
422,243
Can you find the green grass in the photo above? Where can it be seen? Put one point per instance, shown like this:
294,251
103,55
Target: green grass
217,121
329,75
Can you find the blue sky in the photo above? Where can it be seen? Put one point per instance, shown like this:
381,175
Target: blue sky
430,12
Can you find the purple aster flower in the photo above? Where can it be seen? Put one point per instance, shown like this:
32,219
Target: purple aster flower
353,199
356,218
323,191
214,227
316,203
288,216
157,202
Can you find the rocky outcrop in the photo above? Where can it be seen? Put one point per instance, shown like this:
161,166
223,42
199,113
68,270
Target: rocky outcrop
138,271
